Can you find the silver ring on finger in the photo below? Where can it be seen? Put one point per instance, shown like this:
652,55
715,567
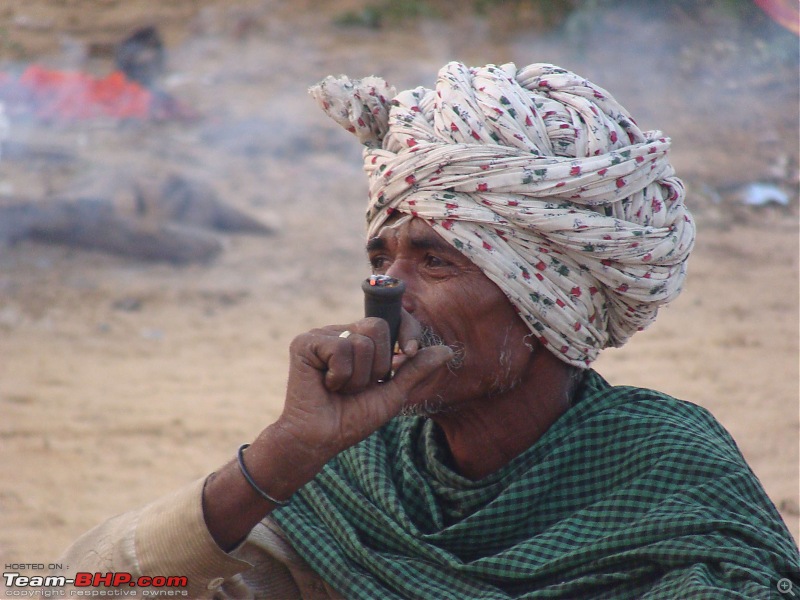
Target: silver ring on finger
345,334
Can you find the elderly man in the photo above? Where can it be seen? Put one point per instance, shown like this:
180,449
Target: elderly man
533,224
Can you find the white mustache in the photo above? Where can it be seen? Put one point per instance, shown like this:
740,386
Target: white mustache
430,338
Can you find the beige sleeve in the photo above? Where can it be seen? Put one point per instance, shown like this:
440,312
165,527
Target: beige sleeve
168,537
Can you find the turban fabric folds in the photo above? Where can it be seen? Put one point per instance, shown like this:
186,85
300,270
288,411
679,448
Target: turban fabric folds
542,180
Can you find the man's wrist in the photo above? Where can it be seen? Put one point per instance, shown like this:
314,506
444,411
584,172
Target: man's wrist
290,461
276,464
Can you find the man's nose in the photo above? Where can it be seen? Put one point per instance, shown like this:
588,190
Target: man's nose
402,270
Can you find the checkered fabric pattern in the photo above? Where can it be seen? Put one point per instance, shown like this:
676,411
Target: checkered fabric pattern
631,494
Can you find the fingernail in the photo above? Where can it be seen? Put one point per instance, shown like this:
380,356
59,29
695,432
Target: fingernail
411,347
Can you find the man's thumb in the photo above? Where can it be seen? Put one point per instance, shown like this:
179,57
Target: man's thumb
416,369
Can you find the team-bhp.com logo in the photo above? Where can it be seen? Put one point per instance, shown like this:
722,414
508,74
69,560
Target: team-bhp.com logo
93,584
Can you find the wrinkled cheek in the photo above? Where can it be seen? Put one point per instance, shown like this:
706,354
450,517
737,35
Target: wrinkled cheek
503,362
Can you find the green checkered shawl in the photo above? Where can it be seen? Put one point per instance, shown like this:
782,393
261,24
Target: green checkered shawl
630,494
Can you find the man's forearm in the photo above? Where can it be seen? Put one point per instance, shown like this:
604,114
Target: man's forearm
277,464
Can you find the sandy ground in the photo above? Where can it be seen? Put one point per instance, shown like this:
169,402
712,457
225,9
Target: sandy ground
121,380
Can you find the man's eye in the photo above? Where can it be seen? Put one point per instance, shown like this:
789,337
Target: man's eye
434,261
377,262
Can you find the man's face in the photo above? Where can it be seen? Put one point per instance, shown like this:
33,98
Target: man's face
450,295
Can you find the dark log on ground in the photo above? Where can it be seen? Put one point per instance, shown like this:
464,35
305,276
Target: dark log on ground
22,151
94,225
16,222
191,202
166,221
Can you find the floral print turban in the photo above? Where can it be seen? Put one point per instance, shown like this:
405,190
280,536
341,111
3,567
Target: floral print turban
542,180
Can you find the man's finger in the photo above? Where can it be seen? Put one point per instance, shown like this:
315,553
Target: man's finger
414,371
377,330
363,359
337,354
410,334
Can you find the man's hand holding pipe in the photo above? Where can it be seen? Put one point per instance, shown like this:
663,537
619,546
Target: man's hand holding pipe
334,399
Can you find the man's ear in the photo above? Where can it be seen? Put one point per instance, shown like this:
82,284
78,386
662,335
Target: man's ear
531,342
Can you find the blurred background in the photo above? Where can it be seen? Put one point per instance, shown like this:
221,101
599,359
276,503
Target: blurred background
174,209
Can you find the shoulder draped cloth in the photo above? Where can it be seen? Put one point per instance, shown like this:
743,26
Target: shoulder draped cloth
631,494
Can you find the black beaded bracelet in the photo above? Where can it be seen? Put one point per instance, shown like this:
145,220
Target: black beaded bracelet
251,481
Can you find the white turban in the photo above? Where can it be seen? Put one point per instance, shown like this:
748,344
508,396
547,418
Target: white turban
542,180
